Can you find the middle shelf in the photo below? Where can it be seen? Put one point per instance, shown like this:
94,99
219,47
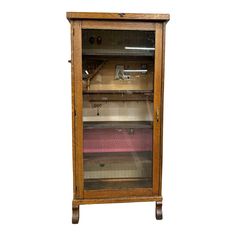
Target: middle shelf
118,125
120,95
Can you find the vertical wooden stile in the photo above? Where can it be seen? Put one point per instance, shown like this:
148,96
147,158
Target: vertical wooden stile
78,106
73,112
162,107
157,110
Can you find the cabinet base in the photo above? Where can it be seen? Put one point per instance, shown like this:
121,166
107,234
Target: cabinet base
77,202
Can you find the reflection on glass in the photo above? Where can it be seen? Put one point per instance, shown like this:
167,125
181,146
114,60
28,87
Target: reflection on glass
118,108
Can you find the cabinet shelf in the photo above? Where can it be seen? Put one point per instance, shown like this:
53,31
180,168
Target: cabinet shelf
114,96
118,125
117,52
148,92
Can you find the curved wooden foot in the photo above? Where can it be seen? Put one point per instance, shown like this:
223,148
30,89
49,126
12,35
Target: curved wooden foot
159,211
75,214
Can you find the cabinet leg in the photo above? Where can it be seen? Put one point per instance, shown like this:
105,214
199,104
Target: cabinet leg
75,214
158,211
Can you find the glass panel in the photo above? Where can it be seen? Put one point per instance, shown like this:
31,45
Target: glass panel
118,76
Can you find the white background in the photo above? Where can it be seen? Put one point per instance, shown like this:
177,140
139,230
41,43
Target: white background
199,172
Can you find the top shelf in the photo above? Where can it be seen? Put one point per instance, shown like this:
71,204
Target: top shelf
117,16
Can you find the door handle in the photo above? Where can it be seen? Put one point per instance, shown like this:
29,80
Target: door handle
157,114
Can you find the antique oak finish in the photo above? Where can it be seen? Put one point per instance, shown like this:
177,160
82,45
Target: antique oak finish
135,185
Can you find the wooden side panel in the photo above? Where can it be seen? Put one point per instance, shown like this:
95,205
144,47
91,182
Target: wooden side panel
157,110
73,113
78,103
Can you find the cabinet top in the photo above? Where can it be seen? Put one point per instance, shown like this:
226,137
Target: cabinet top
116,16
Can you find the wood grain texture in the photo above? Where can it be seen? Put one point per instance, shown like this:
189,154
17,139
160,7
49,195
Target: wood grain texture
157,108
117,16
118,25
73,113
77,72
162,108
117,200
111,193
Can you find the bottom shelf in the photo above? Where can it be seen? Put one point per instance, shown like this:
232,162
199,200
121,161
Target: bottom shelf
100,184
113,166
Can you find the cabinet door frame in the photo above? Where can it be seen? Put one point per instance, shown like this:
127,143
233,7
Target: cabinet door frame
158,107
77,106
77,109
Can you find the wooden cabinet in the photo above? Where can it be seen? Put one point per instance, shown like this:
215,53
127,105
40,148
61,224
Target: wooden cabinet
117,66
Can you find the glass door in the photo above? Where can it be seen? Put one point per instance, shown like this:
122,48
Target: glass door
118,75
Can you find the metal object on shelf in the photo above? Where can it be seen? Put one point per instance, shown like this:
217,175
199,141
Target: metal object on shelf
99,40
97,106
119,75
91,40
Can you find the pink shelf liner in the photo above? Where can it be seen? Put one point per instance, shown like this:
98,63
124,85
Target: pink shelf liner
117,140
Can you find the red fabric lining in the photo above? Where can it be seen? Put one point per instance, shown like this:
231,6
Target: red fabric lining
117,140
